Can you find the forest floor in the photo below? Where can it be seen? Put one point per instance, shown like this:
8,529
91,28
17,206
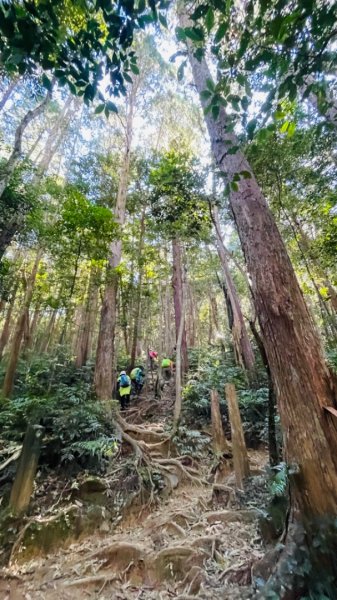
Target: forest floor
193,543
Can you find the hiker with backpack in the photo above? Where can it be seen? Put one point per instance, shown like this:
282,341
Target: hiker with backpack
167,367
137,377
124,389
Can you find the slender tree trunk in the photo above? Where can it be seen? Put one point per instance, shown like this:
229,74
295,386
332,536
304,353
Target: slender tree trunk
19,330
139,292
17,149
6,328
179,360
241,340
31,328
240,455
106,337
177,284
56,135
220,444
87,321
303,383
8,92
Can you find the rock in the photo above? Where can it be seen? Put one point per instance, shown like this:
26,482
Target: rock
93,490
41,536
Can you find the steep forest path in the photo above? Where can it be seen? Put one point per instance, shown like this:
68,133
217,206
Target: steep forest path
195,541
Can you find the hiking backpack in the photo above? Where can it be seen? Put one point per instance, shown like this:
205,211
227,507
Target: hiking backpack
124,382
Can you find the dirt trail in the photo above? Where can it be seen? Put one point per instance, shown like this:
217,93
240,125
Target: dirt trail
187,545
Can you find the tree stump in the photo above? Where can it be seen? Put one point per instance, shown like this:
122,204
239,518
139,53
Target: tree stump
240,456
220,444
24,479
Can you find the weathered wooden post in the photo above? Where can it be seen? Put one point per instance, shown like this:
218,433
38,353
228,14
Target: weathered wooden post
220,444
240,456
24,479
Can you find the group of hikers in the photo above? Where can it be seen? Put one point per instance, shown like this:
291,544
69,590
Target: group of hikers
133,383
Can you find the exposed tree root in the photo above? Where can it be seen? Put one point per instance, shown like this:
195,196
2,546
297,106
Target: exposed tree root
174,462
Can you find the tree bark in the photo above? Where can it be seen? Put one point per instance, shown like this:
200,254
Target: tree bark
220,444
87,321
8,92
303,383
138,300
179,360
105,345
240,456
19,330
274,456
177,284
6,328
17,149
241,341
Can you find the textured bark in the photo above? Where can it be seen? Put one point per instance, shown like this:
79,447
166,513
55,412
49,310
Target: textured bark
240,456
19,330
87,321
302,380
241,341
274,455
17,149
105,344
138,299
177,284
6,327
220,444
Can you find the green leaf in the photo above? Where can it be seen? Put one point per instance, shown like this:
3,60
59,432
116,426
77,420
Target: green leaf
220,32
180,34
246,174
99,109
291,129
162,20
210,85
205,94
195,34
234,186
111,107
180,72
134,69
284,127
209,19
215,111
46,82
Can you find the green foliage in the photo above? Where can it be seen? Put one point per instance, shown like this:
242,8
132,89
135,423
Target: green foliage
178,204
78,43
212,372
51,392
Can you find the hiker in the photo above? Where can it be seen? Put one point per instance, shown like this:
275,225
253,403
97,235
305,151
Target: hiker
153,356
167,367
124,389
137,377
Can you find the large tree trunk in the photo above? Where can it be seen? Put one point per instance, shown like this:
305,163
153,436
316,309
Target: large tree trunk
19,330
139,292
241,341
302,380
177,284
106,337
274,456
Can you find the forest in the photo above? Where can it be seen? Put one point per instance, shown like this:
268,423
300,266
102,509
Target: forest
168,299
